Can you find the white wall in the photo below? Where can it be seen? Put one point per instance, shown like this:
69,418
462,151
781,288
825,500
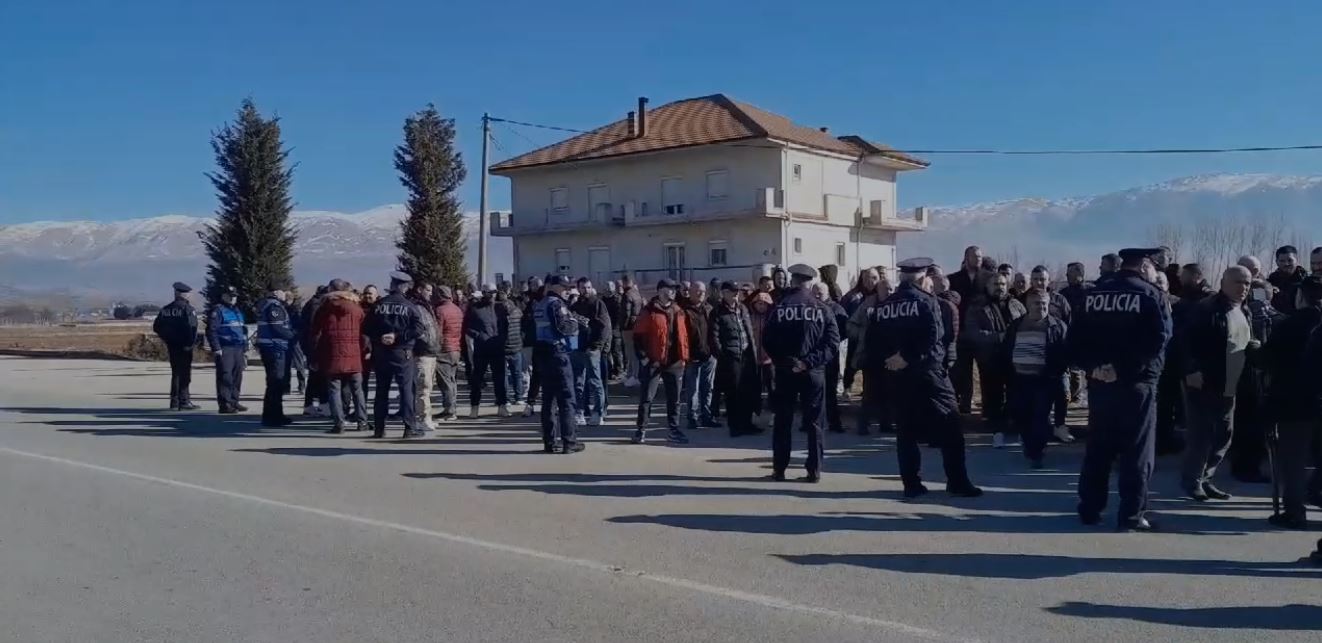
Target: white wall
831,186
863,248
638,178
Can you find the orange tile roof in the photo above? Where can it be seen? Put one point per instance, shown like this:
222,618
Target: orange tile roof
695,121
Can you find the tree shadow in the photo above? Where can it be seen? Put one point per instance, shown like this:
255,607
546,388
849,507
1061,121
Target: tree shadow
1040,567
1294,617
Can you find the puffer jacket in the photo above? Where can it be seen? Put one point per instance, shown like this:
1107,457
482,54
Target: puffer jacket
429,343
730,330
632,306
651,334
700,348
509,318
450,326
482,328
336,335
985,325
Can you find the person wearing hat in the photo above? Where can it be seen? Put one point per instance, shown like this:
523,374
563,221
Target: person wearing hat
338,347
275,333
556,331
907,340
482,330
593,339
532,363
227,337
300,319
801,336
1291,356
1119,339
731,340
822,291
426,352
661,337
394,328
176,325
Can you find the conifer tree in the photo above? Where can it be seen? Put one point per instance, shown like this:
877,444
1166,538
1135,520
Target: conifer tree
431,243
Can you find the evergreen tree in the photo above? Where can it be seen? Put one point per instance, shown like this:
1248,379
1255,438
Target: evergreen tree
251,244
431,242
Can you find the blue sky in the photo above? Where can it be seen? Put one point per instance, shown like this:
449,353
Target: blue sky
106,107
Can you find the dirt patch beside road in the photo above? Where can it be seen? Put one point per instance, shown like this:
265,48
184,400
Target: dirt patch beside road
106,338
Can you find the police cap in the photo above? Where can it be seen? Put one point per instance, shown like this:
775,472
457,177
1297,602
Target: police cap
556,280
229,290
180,286
730,286
915,265
400,278
803,270
666,283
1134,254
274,285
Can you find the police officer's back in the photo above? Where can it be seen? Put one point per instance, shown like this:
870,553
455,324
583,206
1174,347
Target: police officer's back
227,336
275,335
556,333
176,325
801,336
393,328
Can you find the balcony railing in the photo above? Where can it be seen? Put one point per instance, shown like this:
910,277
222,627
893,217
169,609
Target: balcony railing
765,201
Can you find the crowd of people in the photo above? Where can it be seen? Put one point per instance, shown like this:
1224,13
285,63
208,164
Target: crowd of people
1163,361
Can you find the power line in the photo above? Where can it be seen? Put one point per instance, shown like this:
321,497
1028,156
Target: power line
534,144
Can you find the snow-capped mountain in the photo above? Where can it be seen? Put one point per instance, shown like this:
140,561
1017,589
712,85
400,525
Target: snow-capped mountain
1083,228
139,258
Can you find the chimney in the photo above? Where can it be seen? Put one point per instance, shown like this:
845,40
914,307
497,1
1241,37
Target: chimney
642,116
633,124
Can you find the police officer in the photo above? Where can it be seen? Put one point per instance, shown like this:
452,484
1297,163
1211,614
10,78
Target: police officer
907,341
556,330
275,333
176,325
393,328
1119,339
228,339
801,336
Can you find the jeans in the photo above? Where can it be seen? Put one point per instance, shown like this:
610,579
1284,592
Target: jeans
337,384
630,355
1211,427
879,401
652,376
422,391
484,360
446,366
697,390
515,382
589,392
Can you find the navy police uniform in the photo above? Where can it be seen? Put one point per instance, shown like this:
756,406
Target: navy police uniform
910,324
275,333
396,315
176,325
227,336
557,334
800,337
1124,324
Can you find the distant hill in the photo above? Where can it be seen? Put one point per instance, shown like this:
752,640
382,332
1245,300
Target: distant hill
138,259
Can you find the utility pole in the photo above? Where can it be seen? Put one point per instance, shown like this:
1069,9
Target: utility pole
482,205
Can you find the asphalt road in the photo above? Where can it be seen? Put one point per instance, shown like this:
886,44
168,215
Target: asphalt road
120,521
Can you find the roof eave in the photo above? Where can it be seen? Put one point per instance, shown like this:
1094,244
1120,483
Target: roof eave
501,170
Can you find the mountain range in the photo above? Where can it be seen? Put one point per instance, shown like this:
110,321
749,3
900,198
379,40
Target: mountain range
137,259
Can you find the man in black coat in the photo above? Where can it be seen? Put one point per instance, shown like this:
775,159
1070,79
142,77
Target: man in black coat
176,325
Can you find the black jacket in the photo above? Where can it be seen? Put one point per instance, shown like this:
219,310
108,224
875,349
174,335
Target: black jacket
482,328
527,323
1075,294
1294,391
1125,323
699,317
597,333
509,320
1286,284
800,327
841,321
1057,356
966,286
176,325
985,322
614,307
730,331
1202,341
394,314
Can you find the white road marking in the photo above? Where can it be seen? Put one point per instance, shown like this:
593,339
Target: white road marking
680,583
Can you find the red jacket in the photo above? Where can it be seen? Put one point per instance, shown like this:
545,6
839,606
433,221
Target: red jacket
450,325
651,333
337,335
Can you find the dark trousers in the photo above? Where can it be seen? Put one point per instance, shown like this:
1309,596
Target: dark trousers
403,372
515,386
1249,447
1170,408
1031,399
1060,402
338,385
765,377
878,401
961,376
732,382
316,390
850,371
616,354
1122,419
558,391
1294,451
927,410
483,361
802,392
992,380
539,355
831,380
276,363
1209,432
447,364
181,375
229,377
652,376
298,362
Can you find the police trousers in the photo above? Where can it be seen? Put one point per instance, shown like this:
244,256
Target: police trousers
805,392
276,363
926,409
1294,450
229,377
402,371
181,375
557,379
1122,419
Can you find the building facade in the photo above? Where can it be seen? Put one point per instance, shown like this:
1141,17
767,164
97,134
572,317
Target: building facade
704,188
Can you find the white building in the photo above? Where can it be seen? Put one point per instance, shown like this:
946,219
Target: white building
704,188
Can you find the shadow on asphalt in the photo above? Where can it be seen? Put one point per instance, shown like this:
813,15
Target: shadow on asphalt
1285,618
335,452
1039,567
120,422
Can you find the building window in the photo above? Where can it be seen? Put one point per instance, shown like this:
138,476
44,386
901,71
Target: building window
559,199
717,254
672,201
675,260
717,184
797,173
562,261
840,254
599,200
798,245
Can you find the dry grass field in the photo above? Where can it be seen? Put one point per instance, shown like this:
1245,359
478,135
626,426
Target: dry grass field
111,338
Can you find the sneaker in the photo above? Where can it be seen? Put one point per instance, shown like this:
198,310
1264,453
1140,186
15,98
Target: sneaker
237,407
189,406
576,447
336,430
639,436
1090,519
778,476
594,420
445,416
579,420
845,396
1136,525
504,411
631,382
1214,493
711,423
472,413
811,478
998,440
677,437
1287,521
1062,433
527,410
1198,494
174,407
362,426
413,435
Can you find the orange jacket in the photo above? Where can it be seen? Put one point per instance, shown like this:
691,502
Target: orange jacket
652,331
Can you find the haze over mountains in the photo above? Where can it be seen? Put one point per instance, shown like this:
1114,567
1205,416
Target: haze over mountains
138,259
